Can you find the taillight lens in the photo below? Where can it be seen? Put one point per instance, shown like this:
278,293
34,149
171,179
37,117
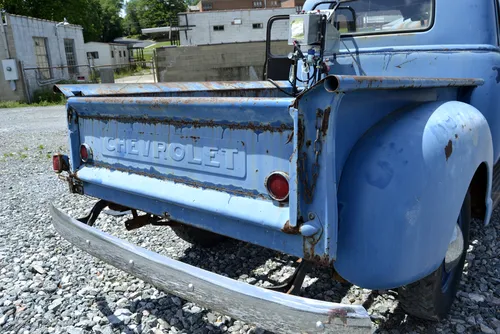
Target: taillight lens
277,186
57,163
85,152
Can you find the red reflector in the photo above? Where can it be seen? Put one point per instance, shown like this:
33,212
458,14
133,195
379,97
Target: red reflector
85,152
57,163
277,186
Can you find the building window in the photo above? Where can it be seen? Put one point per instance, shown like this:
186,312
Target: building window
257,25
69,49
218,28
275,3
258,4
119,54
42,57
207,5
124,54
112,54
93,55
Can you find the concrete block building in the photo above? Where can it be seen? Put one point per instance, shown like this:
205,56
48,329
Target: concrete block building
36,54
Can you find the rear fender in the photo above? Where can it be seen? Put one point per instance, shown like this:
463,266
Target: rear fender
402,188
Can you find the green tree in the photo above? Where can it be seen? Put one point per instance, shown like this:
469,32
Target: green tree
154,13
99,18
111,20
131,23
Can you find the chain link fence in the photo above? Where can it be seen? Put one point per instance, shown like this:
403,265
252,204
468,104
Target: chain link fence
39,81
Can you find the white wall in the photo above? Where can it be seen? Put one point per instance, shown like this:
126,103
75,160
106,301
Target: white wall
104,50
9,91
25,28
124,59
203,33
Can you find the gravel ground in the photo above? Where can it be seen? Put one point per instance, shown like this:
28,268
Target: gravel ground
48,286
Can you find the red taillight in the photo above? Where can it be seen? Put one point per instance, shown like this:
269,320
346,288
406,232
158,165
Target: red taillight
57,163
85,152
277,186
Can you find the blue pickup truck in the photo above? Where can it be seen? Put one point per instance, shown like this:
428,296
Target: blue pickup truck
369,149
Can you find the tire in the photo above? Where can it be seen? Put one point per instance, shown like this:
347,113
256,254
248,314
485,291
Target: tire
431,297
197,236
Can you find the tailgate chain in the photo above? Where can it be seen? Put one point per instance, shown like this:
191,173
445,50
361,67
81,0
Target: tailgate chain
315,166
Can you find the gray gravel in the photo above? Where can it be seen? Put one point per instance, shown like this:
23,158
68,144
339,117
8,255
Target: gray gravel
48,286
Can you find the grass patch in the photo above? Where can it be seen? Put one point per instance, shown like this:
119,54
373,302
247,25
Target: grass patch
41,98
148,51
17,104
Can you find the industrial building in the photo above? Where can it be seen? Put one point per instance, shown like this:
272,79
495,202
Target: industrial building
38,53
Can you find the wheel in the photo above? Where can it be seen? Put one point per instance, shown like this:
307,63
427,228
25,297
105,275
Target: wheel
197,236
431,297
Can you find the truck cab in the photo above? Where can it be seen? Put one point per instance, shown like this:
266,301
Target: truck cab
369,150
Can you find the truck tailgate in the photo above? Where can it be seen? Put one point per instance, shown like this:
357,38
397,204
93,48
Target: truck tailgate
203,153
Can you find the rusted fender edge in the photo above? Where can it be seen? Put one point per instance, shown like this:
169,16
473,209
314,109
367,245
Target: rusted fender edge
270,310
347,83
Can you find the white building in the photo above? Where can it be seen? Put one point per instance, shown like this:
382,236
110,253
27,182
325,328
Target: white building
38,53
112,55
231,26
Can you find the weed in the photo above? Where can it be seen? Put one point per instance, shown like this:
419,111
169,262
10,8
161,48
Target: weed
41,147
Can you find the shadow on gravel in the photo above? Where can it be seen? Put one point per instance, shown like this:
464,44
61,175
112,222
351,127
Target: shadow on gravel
244,262
398,319
250,263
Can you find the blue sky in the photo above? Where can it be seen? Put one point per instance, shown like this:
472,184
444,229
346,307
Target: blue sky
122,13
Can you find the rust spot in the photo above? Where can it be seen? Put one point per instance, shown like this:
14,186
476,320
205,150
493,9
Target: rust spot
289,229
308,142
448,150
242,142
323,260
326,117
300,134
340,314
186,181
456,136
181,123
194,138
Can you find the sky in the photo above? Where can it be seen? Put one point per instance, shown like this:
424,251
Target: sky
122,12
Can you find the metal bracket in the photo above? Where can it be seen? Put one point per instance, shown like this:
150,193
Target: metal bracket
293,284
94,213
75,185
147,219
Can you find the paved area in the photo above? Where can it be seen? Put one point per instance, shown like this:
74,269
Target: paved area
145,78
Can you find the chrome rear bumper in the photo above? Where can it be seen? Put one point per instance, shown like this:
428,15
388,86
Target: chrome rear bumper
270,310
